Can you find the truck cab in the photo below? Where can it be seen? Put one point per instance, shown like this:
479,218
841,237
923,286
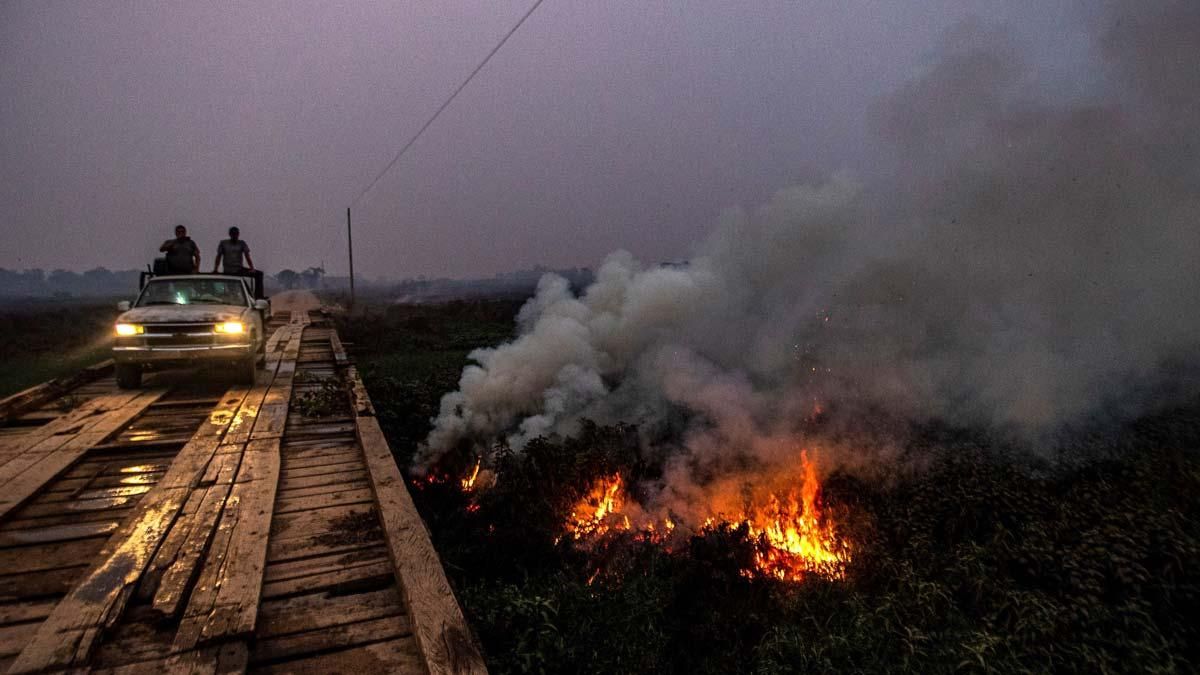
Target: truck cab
191,319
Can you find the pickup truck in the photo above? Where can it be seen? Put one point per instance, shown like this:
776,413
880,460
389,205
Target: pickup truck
190,319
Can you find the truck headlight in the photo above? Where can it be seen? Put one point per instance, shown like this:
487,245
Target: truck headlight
128,329
230,327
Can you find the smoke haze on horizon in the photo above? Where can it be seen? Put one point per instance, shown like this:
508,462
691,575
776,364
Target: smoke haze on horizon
599,125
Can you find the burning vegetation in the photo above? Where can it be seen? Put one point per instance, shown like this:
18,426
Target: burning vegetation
986,557
792,538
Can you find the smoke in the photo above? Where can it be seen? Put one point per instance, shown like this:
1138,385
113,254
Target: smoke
1016,262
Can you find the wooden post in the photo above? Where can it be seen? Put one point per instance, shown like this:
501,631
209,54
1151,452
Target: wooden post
350,246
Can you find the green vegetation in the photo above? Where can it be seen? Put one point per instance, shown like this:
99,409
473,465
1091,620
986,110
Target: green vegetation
985,559
45,339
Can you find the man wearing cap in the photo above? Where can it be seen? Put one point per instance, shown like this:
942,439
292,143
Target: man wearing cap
230,252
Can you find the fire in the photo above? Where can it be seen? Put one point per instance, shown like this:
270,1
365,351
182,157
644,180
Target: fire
797,541
600,510
468,483
794,538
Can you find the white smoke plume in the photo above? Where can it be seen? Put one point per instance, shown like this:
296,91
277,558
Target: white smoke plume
1016,261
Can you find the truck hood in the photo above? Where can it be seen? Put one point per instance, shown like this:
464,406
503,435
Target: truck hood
182,314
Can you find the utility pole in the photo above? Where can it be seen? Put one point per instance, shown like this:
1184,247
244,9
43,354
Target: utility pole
350,247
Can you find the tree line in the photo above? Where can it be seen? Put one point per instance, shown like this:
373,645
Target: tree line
100,281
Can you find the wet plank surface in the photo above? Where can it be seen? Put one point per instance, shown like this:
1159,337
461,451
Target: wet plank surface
214,528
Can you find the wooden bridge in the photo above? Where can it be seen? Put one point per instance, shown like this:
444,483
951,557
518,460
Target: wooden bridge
193,526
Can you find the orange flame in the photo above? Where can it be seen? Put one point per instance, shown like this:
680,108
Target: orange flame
796,540
793,538
468,483
603,503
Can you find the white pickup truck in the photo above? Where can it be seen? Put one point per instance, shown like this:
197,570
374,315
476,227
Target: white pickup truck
190,320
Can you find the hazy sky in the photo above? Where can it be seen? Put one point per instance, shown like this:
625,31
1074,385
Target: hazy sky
600,125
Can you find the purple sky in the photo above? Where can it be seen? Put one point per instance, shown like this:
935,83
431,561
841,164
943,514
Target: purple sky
600,125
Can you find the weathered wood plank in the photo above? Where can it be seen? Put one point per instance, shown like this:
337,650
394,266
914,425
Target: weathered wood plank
57,533
397,655
441,631
339,478
339,579
228,606
346,635
177,569
69,634
231,608
67,637
34,477
310,491
319,610
328,499
16,404
40,583
25,610
49,437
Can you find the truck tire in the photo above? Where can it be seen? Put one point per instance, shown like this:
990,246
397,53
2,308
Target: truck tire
247,369
260,356
129,375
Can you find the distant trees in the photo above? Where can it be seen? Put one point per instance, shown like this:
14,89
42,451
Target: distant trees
287,278
97,281
309,278
312,276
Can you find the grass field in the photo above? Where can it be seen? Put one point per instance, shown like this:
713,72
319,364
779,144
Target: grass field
44,339
988,559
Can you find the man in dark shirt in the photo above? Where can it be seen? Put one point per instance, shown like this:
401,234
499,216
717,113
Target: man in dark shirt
230,252
183,255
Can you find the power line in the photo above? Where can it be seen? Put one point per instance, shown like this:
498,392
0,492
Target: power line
445,105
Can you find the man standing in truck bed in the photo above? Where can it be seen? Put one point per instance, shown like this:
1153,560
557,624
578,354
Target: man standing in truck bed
183,255
230,252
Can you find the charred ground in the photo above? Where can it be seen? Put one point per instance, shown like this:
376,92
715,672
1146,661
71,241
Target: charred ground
980,555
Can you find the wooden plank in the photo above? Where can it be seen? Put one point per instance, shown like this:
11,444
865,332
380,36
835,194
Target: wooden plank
14,637
343,521
67,637
70,423
339,498
397,655
338,579
66,516
346,635
292,462
441,631
25,610
348,464
178,568
234,605
69,634
41,583
24,485
296,493
339,352
25,559
218,660
57,533
319,564
339,478
228,606
319,610
33,397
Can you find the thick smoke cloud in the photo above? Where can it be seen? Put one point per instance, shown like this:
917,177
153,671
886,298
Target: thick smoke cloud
1016,261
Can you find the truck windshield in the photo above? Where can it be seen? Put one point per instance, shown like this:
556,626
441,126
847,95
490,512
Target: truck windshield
192,292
